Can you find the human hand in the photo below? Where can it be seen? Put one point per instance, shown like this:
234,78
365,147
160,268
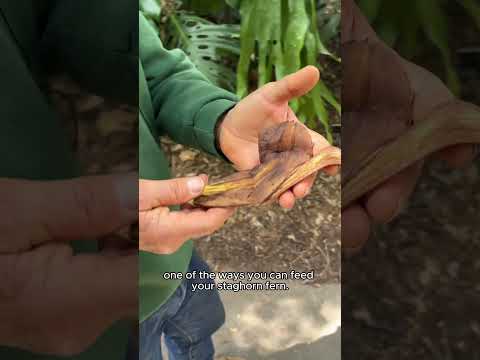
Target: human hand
385,202
267,106
53,301
162,231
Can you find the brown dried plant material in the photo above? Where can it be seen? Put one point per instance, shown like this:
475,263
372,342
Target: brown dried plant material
451,123
395,114
286,158
377,101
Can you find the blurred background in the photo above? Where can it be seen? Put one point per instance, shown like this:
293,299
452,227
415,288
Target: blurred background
441,35
413,292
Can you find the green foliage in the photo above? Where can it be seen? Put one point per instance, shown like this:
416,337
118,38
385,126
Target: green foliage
274,38
211,47
278,37
202,7
404,24
208,45
473,8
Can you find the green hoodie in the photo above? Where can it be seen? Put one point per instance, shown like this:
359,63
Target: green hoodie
178,101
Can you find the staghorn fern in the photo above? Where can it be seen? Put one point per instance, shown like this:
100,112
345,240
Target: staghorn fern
279,37
399,23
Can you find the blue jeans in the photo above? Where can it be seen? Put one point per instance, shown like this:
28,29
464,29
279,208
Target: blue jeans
187,320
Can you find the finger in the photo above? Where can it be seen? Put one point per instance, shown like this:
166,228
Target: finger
287,200
158,193
385,202
319,145
331,170
116,283
83,283
202,222
163,231
355,229
303,188
293,85
458,156
319,142
109,279
81,208
91,207
50,282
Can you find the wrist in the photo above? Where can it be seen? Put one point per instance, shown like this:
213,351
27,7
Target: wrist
218,131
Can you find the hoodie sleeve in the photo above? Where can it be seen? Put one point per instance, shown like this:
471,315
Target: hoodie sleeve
186,105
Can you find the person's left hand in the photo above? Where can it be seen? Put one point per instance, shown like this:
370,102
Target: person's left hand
267,106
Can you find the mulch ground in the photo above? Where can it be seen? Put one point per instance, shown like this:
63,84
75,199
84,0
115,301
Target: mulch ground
269,238
414,292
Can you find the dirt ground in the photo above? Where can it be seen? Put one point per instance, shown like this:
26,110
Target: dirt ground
413,292
269,238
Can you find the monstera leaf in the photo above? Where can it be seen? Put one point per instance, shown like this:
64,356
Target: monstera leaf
213,48
210,46
395,113
286,158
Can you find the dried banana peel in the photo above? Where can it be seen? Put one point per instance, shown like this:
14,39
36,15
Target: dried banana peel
286,156
395,114
449,124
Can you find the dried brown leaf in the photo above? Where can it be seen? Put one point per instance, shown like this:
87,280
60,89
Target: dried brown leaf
286,158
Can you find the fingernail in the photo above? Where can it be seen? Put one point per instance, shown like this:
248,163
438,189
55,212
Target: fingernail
195,185
126,187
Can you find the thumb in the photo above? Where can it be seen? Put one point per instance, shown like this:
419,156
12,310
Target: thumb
293,85
64,210
160,193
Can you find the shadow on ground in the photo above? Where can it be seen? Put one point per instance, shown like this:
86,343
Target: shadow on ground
294,324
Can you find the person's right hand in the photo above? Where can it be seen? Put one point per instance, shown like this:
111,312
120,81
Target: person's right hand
162,231
386,201
52,300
